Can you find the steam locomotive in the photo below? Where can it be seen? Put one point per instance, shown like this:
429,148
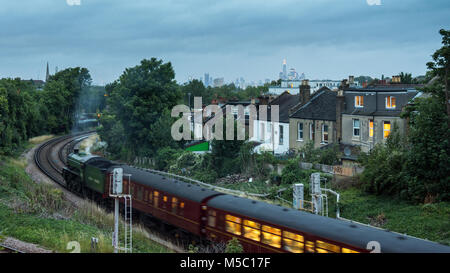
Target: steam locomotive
217,217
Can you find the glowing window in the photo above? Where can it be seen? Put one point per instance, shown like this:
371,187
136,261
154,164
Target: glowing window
292,246
182,208
212,218
386,129
251,230
165,198
271,236
293,242
233,224
323,247
347,250
310,246
359,101
390,102
174,204
155,198
371,128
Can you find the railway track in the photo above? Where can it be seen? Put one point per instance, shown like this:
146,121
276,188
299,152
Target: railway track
8,249
50,156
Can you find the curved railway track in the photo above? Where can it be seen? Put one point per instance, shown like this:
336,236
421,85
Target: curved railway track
50,156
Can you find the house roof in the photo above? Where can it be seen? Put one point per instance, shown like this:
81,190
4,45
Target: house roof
322,106
285,101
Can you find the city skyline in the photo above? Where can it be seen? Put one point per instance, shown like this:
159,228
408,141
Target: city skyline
318,38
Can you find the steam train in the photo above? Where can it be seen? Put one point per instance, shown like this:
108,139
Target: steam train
218,217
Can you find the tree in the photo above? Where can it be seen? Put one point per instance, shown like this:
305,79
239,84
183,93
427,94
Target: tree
140,101
406,78
440,67
234,246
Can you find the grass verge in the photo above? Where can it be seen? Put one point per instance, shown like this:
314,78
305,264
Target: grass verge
39,213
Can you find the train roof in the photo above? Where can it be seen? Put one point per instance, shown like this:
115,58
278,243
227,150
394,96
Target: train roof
328,228
171,186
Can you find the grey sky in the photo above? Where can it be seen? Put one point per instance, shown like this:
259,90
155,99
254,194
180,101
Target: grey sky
227,38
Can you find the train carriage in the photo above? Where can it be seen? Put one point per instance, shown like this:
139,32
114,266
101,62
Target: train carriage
260,226
264,227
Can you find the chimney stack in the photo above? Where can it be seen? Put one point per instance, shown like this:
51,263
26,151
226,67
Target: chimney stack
351,80
305,92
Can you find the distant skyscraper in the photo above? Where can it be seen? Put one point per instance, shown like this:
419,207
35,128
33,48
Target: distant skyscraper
207,80
47,75
284,69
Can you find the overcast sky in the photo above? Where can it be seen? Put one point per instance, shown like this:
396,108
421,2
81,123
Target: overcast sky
227,38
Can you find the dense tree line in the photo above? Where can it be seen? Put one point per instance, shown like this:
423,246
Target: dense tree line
27,111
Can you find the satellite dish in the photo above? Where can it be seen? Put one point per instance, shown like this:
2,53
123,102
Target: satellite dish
347,151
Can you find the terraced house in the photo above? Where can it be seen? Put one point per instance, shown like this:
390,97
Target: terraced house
314,119
368,115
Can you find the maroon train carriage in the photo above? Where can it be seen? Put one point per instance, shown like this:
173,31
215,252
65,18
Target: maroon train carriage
172,201
264,227
259,226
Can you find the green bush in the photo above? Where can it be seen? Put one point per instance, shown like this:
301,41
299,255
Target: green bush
234,246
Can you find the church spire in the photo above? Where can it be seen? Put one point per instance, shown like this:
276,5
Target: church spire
47,76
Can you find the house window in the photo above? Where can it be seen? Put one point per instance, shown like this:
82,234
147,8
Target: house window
324,133
311,131
262,131
300,131
359,101
371,128
356,127
386,129
281,135
390,102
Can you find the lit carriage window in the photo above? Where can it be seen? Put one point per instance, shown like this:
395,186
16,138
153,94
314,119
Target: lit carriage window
293,242
164,202
174,204
233,224
323,247
251,230
212,218
155,198
150,197
309,246
182,208
347,250
271,236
